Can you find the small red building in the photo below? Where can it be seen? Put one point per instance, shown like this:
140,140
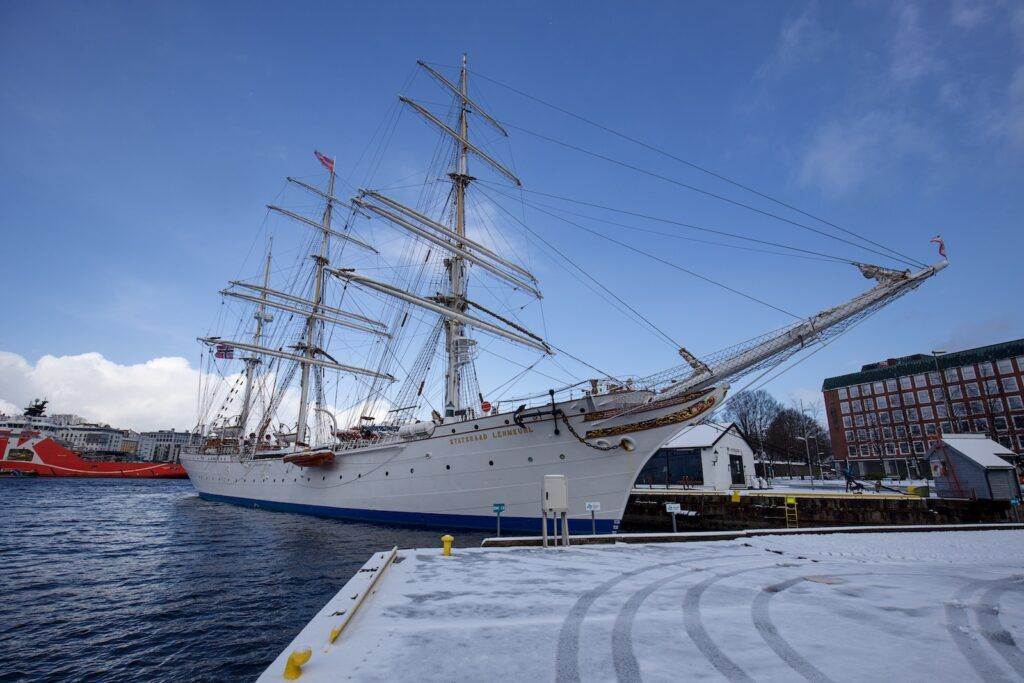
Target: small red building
884,418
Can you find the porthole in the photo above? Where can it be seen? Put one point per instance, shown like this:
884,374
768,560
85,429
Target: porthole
385,473
530,459
476,426
561,456
359,476
583,410
411,470
506,421
453,430
491,463
324,478
339,476
447,467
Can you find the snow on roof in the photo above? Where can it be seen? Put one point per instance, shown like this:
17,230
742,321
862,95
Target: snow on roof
698,436
979,448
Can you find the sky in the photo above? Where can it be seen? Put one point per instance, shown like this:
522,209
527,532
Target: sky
140,142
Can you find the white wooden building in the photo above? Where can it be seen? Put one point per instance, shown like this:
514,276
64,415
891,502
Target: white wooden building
707,456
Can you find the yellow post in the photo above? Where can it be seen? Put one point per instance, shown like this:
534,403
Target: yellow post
735,496
447,540
293,667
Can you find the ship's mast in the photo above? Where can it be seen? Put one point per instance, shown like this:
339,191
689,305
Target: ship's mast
252,361
312,343
454,330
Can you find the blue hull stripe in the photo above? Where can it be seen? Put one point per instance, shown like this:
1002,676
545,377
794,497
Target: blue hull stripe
531,525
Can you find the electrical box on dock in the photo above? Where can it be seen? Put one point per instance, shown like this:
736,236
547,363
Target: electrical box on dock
556,493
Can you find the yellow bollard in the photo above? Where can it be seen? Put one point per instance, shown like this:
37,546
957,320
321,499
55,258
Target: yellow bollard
447,540
293,667
735,496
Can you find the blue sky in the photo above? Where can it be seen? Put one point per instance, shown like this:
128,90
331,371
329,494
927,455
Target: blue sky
140,142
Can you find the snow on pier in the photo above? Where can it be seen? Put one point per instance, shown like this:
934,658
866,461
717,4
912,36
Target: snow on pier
943,605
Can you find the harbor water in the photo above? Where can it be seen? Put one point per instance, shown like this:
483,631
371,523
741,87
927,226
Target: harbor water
142,580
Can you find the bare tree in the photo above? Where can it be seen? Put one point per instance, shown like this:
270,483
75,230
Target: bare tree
753,412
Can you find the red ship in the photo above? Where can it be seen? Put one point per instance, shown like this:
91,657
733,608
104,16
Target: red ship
27,450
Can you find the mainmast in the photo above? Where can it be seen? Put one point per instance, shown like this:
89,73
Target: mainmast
313,326
252,361
455,342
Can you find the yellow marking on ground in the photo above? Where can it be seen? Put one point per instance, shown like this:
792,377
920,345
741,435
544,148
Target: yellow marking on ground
777,494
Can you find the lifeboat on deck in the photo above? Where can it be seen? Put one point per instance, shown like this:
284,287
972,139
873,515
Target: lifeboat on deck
310,459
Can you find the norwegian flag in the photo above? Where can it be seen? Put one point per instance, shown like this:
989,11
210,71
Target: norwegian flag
942,245
325,160
224,351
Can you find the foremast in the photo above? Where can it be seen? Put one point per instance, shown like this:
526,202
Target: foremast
252,360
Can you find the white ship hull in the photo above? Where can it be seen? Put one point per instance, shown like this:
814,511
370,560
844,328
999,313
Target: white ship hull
453,478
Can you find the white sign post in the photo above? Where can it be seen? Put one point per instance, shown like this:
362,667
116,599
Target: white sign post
593,507
673,509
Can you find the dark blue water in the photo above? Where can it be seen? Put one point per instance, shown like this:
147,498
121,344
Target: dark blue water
142,580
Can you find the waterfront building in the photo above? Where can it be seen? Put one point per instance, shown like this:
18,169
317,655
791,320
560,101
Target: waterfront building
708,456
972,466
885,418
165,445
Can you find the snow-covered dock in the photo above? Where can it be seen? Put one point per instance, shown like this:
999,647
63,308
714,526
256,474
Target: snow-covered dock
872,606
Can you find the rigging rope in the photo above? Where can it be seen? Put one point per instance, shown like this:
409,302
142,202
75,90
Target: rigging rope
902,257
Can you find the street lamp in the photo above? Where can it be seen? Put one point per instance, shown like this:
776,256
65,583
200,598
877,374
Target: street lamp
807,445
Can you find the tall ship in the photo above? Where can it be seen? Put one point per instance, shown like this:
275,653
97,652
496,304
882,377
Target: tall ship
346,382
30,445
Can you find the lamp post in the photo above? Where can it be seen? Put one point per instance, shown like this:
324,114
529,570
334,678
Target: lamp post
807,445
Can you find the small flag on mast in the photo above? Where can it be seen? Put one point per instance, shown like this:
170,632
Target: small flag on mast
224,351
325,160
942,245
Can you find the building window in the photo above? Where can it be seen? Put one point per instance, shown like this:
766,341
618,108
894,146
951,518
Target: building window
952,375
1010,384
1018,422
847,421
857,406
955,391
1015,402
890,385
1005,366
872,419
844,407
842,392
920,381
905,383
912,415
926,413
878,387
972,390
959,410
881,402
858,420
940,410
965,426
930,429
908,398
946,427
934,379
938,395
904,448
886,433
894,401
898,416
865,450
981,424
995,405
854,391
977,408
991,386
1000,423
986,369
915,430
853,451
919,447
890,448
865,389
883,418
923,396
850,436
862,435
901,432
967,372
869,404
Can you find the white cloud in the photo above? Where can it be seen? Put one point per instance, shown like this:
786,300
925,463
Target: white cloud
158,394
981,333
1007,121
912,56
843,154
801,39
969,14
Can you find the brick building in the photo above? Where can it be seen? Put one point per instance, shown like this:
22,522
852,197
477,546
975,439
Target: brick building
885,417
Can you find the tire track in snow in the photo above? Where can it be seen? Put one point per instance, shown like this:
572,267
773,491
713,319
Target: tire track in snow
770,633
627,668
987,615
699,635
567,656
960,630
